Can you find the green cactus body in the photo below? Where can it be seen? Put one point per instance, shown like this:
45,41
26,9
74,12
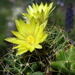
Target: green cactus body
65,62
56,40
31,63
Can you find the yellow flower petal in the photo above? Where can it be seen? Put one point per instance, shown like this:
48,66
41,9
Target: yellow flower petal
31,31
50,5
17,34
19,27
21,51
16,47
39,12
38,46
43,38
41,28
15,40
31,48
31,9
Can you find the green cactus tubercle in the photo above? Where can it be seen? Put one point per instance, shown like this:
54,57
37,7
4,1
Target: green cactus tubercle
65,62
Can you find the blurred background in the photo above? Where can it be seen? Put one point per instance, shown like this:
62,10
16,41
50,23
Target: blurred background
63,16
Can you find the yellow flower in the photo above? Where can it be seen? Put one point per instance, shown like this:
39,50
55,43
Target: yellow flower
29,36
39,12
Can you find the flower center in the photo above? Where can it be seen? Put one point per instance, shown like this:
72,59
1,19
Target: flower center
30,39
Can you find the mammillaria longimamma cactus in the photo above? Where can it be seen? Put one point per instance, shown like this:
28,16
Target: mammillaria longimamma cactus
37,43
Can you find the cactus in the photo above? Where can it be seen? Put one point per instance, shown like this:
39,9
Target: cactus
39,52
22,65
65,62
57,40
32,63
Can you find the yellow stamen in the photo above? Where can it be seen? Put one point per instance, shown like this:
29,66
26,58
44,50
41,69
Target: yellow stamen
30,39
